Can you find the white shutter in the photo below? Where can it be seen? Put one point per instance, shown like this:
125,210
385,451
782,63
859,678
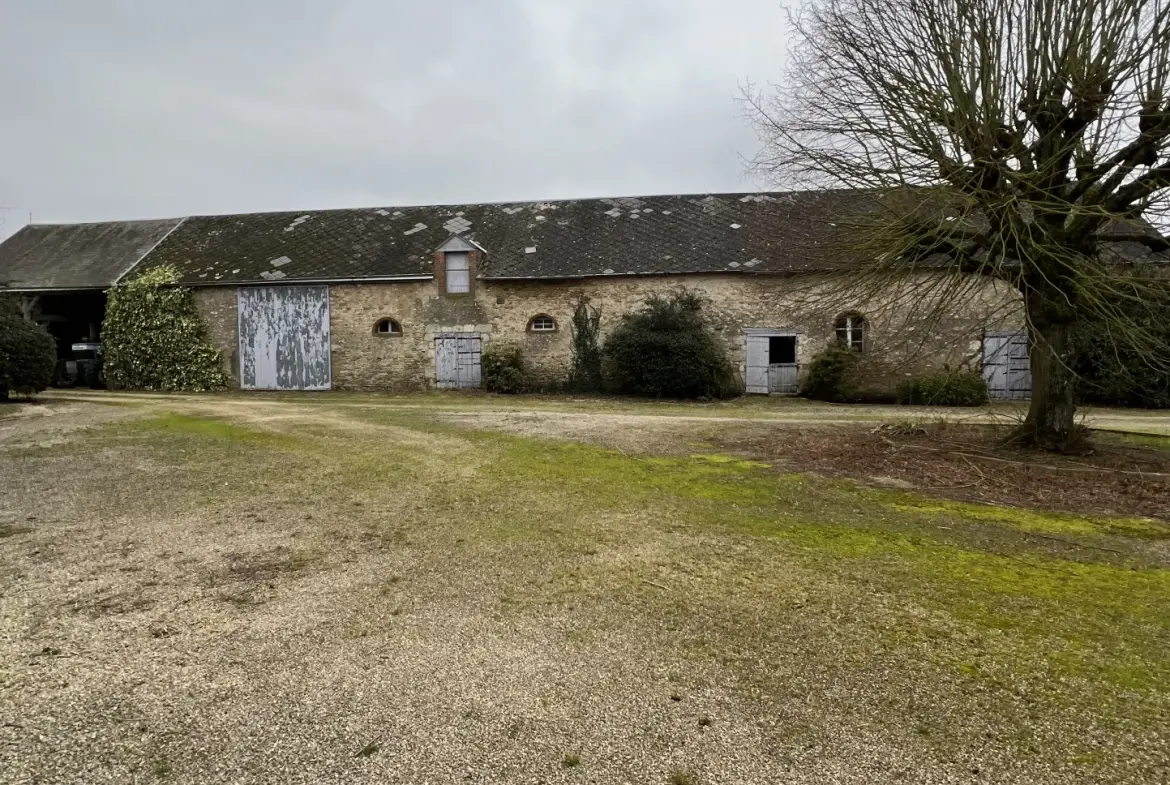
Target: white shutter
458,273
757,364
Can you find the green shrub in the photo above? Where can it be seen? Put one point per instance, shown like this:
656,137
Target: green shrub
1124,375
665,350
28,355
585,349
832,375
503,369
949,388
153,337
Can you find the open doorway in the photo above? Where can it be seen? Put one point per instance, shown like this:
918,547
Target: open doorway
772,368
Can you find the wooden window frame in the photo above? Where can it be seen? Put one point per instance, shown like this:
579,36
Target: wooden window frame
542,317
852,330
448,269
390,334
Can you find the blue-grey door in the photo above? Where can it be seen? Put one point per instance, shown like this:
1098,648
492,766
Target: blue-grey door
284,338
1005,365
457,361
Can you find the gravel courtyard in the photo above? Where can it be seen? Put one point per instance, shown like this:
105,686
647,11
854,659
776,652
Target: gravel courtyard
436,589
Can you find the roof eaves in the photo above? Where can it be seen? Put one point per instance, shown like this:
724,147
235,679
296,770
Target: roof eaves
37,289
307,281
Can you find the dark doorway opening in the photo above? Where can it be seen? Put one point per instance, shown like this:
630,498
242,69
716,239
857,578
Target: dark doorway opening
782,350
70,317
73,319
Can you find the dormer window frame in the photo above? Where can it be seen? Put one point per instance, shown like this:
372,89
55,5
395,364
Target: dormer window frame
457,265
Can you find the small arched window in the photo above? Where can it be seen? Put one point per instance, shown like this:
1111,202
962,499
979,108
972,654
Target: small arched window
387,327
851,329
542,323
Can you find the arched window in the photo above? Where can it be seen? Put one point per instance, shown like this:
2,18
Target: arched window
851,331
387,327
542,323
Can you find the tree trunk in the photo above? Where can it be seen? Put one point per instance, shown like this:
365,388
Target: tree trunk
1051,422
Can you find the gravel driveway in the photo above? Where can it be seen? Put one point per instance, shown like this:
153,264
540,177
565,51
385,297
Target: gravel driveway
248,590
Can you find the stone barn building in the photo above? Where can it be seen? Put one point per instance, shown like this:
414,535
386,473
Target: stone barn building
407,298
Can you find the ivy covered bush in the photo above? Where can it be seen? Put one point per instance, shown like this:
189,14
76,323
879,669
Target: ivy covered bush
665,350
503,369
949,388
28,355
585,349
153,337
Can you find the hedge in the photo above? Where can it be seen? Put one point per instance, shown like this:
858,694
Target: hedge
949,388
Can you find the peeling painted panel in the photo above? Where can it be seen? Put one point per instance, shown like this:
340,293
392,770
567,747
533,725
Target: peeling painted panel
757,364
284,338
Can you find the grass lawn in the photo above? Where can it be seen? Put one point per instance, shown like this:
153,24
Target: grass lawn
436,589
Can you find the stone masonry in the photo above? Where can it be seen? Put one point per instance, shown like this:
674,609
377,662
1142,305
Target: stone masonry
898,343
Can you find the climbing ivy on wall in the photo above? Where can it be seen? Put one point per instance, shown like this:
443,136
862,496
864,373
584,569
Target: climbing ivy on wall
153,337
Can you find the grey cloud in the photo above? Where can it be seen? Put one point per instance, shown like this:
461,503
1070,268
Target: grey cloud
137,108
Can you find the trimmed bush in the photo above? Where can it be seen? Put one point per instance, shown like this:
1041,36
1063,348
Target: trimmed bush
503,369
585,348
153,337
950,388
832,375
28,356
665,350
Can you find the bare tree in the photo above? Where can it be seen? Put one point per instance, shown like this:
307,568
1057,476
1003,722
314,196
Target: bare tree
1021,140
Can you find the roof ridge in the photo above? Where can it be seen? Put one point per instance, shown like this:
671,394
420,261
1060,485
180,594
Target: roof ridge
562,200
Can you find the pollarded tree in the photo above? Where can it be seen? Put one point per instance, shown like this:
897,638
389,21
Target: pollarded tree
1021,140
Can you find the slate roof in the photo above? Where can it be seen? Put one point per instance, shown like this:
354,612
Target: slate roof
748,233
76,256
745,233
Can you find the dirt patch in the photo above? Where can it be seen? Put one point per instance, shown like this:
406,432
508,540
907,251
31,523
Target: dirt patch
49,423
970,463
1125,475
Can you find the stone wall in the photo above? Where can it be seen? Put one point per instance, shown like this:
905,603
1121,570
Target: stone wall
217,304
899,343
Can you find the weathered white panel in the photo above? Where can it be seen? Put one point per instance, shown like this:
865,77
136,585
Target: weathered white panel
446,362
757,364
284,338
458,273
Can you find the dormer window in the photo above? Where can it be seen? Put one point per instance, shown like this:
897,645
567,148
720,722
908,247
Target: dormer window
456,264
458,272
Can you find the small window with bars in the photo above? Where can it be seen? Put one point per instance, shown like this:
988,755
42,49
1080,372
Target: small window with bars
458,272
542,323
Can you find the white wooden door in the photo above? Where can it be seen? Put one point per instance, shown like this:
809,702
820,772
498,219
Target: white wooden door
457,361
284,338
757,364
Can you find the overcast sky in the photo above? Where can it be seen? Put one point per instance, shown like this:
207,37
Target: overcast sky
148,108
